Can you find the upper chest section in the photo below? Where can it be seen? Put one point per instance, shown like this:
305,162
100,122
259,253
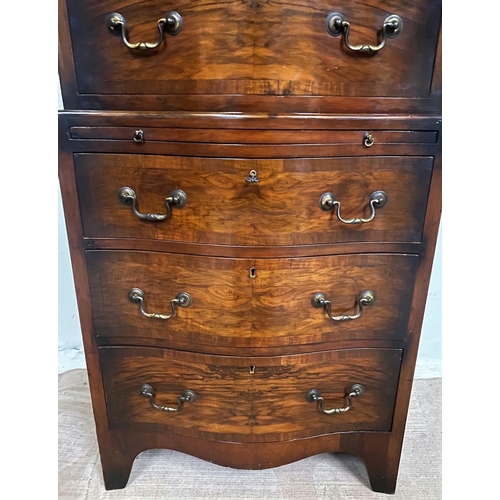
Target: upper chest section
242,54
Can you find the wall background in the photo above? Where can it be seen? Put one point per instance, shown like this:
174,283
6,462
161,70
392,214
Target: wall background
70,340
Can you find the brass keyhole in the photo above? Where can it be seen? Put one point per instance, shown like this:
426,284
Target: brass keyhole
251,369
253,272
252,176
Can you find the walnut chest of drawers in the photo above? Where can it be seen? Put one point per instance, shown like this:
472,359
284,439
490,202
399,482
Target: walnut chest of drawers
252,196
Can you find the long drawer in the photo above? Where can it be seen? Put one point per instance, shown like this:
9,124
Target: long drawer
252,47
227,302
250,399
253,202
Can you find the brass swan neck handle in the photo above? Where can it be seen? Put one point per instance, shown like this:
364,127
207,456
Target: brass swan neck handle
187,396
176,198
328,202
315,395
170,23
182,299
320,300
336,25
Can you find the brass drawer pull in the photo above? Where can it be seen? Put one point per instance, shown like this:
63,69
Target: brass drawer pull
182,299
138,136
366,298
171,24
328,202
177,198
314,395
368,140
187,396
336,25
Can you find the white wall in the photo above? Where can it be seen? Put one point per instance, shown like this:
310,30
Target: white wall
70,343
429,354
70,337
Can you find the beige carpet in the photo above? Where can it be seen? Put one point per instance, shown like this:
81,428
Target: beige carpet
167,474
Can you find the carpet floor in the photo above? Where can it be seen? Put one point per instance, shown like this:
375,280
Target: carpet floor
168,474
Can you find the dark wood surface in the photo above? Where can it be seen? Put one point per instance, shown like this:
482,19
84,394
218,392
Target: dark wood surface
282,209
261,121
249,251
235,405
252,151
405,277
205,135
269,51
258,128
110,457
231,309
251,85
253,48
370,446
422,280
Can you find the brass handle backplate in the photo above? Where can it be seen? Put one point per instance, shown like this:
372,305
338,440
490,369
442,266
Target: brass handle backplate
328,202
315,395
170,23
319,300
182,299
187,396
176,198
336,25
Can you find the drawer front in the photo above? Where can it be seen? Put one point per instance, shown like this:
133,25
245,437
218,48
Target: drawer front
246,136
251,47
229,308
224,207
254,399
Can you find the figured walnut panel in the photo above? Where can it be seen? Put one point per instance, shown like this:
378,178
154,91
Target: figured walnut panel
252,47
231,309
282,209
311,62
234,405
213,53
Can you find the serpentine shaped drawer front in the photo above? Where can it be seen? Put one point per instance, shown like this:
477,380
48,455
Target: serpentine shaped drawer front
249,399
222,302
254,47
253,202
